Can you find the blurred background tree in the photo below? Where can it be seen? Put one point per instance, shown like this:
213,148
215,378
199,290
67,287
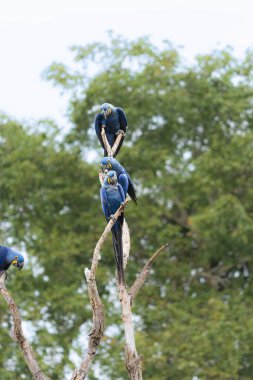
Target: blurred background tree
189,150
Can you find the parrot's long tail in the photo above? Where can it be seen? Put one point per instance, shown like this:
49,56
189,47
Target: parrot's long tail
118,251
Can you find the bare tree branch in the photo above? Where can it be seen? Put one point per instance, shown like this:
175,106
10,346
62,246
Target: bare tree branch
105,141
111,150
117,142
144,273
132,359
126,243
98,311
18,336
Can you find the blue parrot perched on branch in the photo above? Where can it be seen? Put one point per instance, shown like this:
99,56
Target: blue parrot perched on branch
8,257
114,120
110,163
112,196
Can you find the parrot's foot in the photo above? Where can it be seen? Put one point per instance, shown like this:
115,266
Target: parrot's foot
120,132
112,218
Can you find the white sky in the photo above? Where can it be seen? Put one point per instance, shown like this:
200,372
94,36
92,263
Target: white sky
34,33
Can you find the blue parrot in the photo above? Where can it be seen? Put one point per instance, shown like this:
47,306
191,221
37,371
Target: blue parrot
114,120
110,163
112,196
8,257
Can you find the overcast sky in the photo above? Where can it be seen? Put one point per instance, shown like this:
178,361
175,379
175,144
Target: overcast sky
34,33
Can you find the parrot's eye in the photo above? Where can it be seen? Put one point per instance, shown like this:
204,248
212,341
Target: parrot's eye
16,257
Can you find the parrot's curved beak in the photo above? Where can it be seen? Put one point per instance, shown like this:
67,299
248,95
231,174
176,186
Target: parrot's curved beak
20,265
104,168
17,264
106,112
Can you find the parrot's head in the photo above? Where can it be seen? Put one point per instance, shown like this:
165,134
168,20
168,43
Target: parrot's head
106,164
111,178
107,109
17,260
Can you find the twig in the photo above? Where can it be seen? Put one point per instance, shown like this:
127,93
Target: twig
18,336
98,311
144,273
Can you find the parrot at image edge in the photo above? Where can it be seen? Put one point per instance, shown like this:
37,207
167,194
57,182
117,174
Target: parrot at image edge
112,196
8,257
109,163
114,120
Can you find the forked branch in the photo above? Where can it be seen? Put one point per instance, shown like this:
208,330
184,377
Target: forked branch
98,311
111,150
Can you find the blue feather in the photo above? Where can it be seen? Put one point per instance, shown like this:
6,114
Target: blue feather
112,196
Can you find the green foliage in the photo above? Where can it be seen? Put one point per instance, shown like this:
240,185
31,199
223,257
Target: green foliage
189,150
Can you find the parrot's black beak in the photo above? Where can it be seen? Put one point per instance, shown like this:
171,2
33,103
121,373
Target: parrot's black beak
104,168
20,265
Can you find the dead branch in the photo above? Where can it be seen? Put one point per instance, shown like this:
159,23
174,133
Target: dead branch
105,141
98,311
111,150
144,273
18,336
132,359
120,136
126,243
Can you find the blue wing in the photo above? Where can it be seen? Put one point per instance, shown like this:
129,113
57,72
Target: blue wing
105,203
123,181
131,189
98,125
122,119
121,193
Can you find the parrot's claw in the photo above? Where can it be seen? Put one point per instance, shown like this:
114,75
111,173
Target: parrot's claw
120,132
112,218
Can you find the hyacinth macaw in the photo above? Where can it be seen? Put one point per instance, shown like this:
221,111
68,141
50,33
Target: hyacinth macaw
112,196
110,163
8,257
114,120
